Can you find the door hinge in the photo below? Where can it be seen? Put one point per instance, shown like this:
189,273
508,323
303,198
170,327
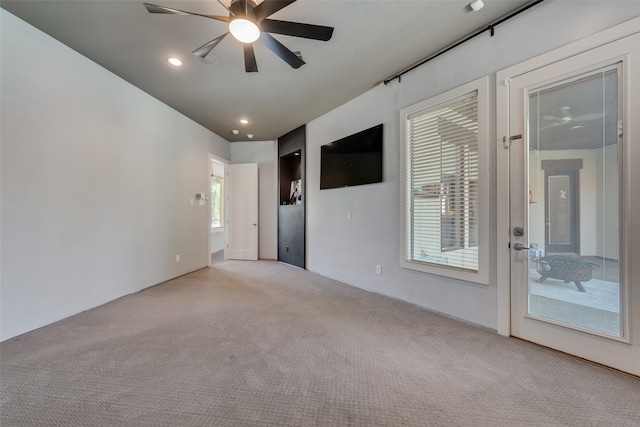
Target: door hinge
620,128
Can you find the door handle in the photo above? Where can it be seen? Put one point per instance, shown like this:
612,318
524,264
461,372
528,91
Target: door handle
519,247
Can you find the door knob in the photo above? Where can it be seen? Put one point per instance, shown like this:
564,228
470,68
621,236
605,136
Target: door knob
519,247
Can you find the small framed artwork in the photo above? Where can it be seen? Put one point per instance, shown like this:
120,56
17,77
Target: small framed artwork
295,193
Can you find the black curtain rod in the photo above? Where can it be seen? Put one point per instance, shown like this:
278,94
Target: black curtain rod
490,27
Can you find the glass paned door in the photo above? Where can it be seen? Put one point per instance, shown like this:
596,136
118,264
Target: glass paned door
574,179
571,198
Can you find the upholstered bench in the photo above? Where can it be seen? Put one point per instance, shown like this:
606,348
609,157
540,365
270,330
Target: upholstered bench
565,268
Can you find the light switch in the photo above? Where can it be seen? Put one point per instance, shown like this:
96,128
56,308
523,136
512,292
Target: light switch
348,215
201,202
192,202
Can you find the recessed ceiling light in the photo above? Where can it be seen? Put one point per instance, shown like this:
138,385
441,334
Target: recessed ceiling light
244,121
235,131
175,61
250,135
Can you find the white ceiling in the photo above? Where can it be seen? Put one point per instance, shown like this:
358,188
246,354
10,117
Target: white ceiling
372,40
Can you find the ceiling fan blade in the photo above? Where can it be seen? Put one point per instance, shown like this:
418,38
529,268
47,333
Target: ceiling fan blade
269,7
279,49
297,29
152,8
206,48
225,6
250,65
551,126
588,117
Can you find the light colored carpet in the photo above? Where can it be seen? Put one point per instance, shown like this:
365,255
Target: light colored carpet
264,344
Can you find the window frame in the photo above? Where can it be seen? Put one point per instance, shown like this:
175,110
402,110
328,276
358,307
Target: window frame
222,198
481,276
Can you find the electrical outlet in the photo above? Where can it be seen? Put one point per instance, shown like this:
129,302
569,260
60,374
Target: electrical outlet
348,215
177,257
378,269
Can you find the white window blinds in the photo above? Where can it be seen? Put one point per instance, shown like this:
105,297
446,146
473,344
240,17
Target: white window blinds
442,190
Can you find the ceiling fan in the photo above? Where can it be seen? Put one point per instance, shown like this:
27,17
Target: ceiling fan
248,22
564,117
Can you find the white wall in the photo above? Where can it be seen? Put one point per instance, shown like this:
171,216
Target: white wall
97,178
348,250
264,153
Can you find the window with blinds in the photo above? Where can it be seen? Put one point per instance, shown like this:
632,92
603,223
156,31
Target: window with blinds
217,194
443,176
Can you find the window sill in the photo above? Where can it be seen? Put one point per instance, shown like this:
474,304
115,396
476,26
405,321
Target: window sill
449,272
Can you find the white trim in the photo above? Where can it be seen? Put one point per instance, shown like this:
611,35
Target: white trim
503,77
482,275
210,229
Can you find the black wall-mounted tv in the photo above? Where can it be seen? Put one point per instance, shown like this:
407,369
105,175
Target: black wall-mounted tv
354,160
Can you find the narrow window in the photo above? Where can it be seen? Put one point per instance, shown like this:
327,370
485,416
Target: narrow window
444,168
217,195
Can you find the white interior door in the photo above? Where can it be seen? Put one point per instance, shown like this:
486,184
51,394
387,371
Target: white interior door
571,282
242,211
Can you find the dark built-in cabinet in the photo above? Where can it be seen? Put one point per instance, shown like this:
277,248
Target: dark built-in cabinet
291,203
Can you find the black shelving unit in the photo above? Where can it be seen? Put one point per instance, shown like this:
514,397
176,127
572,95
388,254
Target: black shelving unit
291,197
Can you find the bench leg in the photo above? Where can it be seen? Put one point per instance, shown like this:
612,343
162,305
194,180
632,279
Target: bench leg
579,286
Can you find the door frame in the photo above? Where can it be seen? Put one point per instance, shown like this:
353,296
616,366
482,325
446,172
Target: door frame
570,168
238,226
503,77
225,162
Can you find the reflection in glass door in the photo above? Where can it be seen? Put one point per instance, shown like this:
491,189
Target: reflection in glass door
574,203
561,212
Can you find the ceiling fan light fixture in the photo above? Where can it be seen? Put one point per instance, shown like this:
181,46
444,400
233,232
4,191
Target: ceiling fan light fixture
249,21
244,30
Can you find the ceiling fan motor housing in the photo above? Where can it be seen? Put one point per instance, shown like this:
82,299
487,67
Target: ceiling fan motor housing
243,9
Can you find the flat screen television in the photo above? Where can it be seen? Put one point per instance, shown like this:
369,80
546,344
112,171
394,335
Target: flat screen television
353,160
